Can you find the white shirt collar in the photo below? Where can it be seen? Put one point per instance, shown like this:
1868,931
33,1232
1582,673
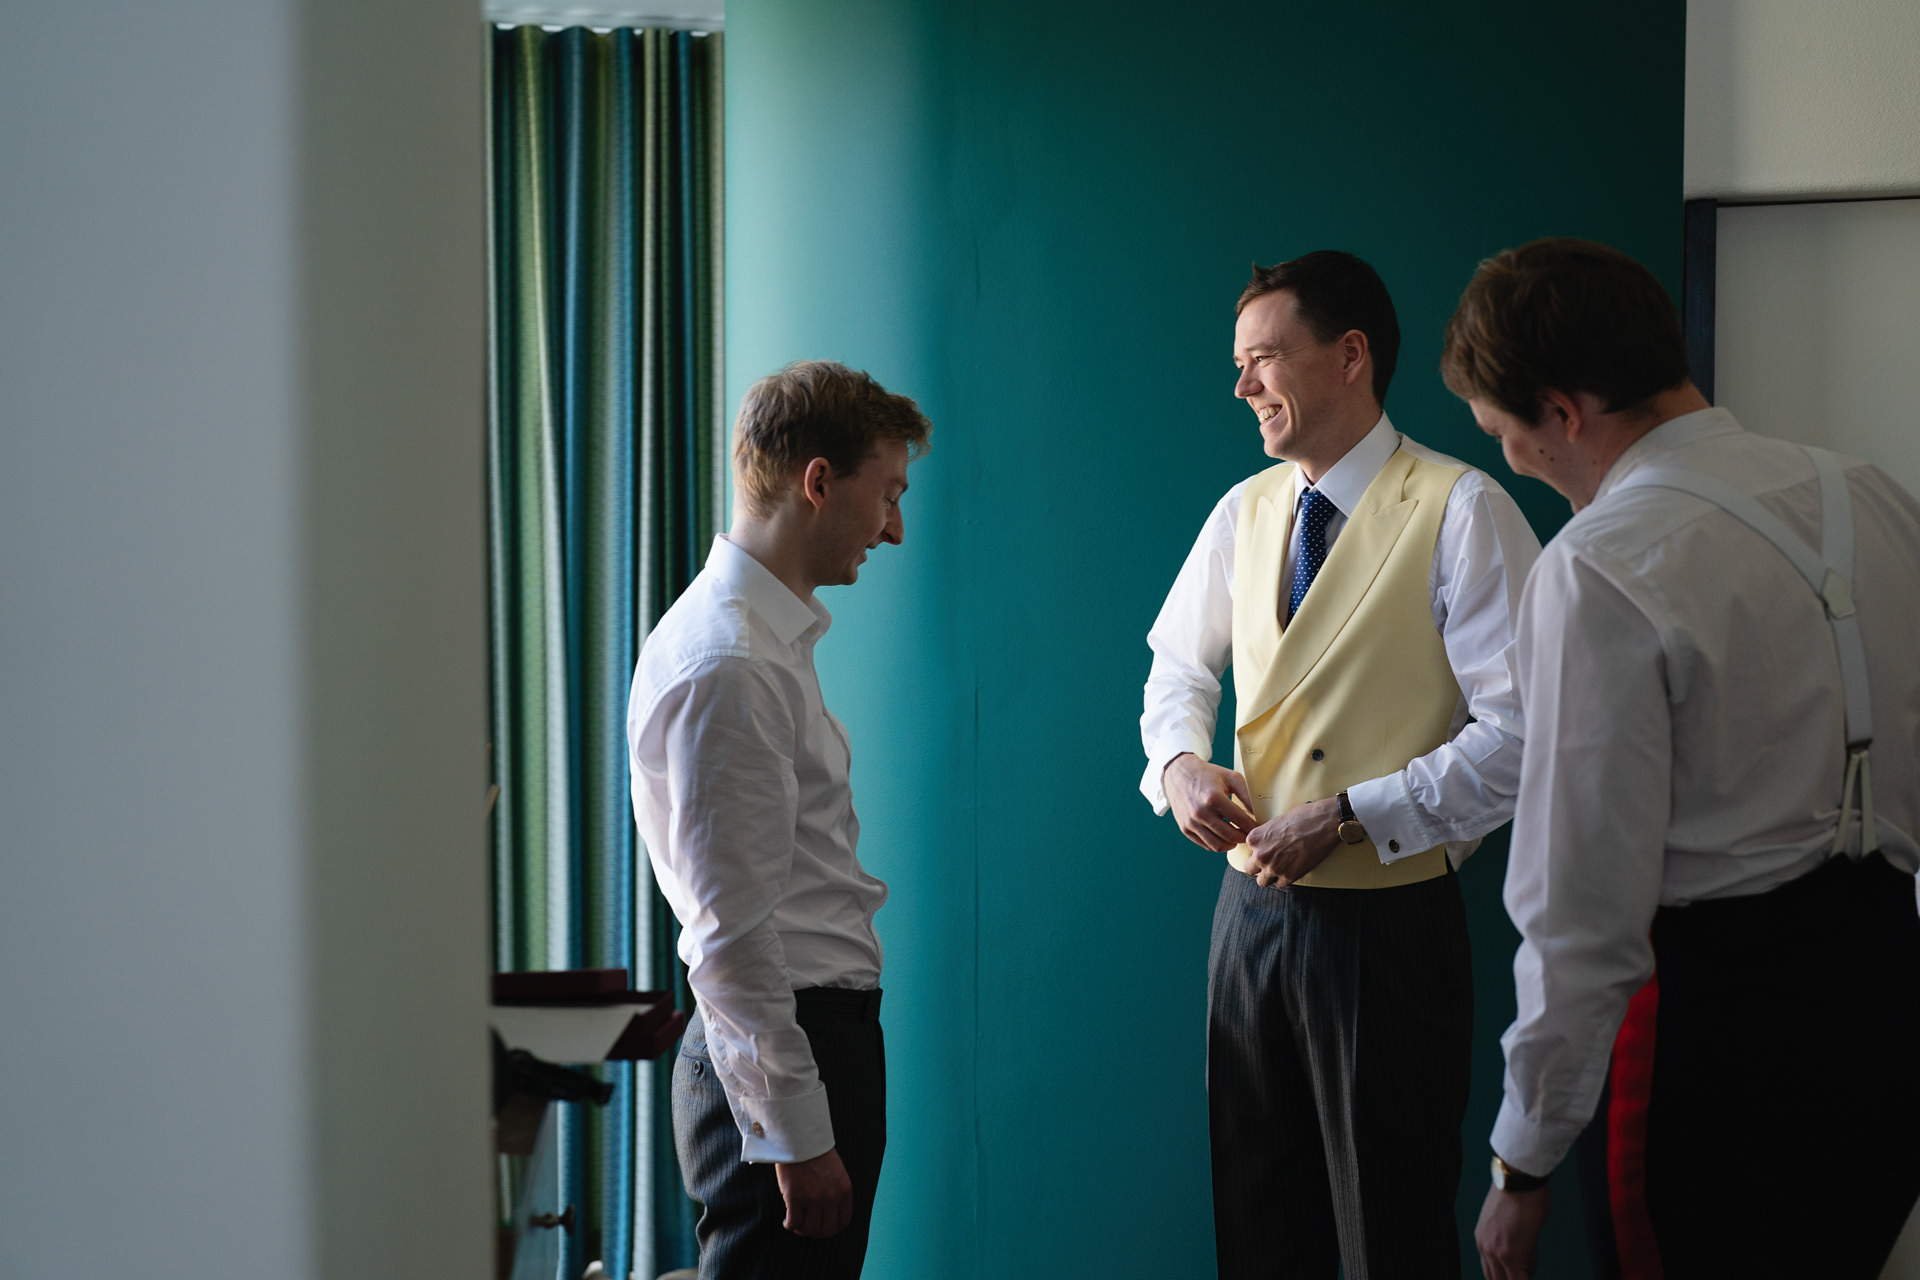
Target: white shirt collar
1668,436
785,613
1347,479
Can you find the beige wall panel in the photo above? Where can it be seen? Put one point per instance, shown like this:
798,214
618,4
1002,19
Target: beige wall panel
1817,339
1818,326
1790,98
243,867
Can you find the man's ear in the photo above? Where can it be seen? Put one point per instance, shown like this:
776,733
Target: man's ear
1564,413
1353,356
815,478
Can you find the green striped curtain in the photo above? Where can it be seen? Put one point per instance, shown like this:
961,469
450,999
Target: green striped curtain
607,474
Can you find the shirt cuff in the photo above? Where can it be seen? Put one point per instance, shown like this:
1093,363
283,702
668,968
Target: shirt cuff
1384,806
1157,761
783,1130
1523,1145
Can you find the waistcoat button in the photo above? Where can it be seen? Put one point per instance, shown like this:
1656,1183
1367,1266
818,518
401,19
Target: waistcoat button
1318,754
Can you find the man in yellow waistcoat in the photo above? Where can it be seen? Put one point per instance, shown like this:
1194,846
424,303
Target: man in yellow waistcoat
1364,593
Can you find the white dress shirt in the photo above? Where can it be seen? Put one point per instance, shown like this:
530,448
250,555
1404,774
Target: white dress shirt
1685,737
740,788
1451,796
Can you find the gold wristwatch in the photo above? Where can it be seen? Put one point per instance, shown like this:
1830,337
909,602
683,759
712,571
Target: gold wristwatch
1350,829
1508,1178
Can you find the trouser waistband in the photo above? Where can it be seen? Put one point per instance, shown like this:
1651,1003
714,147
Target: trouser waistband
837,1002
1833,880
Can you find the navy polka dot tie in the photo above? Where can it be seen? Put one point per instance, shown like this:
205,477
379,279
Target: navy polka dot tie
1315,510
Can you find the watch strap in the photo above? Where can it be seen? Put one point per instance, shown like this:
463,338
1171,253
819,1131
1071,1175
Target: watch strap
1346,809
1508,1178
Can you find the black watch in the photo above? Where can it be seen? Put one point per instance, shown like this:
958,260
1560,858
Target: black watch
1350,830
1508,1178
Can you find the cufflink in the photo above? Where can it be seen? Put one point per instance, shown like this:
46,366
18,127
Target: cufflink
758,1132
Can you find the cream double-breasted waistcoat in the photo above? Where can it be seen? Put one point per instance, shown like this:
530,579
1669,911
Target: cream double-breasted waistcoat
1358,684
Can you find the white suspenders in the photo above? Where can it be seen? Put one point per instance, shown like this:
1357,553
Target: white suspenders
1829,572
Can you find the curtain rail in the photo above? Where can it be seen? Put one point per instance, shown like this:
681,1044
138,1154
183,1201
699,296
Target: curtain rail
1756,202
697,16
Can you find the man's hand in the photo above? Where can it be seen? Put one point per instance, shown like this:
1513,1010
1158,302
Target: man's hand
1211,804
1294,843
1509,1232
818,1193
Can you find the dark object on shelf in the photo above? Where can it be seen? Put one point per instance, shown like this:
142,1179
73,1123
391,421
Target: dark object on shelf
563,986
564,1221
597,993
522,1087
541,1020
650,1034
517,1071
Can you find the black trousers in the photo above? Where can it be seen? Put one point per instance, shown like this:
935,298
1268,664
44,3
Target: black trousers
1338,1028
740,1204
1783,1127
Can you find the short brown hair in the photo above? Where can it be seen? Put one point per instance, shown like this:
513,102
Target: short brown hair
815,409
1334,292
1563,315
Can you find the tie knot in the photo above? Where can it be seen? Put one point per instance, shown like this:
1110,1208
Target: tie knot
1317,506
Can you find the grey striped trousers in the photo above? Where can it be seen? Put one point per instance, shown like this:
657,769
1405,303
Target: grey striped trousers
1338,1028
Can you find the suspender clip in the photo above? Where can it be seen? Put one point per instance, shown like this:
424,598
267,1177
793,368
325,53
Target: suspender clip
1860,773
1837,593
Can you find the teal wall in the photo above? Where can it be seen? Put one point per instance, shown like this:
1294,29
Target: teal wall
1035,219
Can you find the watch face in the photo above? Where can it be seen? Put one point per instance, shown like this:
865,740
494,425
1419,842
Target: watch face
1508,1179
1352,832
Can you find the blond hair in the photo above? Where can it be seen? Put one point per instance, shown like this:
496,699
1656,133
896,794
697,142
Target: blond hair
815,409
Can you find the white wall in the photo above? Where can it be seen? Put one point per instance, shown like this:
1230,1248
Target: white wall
1793,98
1817,311
1816,303
242,867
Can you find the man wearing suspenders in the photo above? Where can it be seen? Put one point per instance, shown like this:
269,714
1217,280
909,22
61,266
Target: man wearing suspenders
1719,662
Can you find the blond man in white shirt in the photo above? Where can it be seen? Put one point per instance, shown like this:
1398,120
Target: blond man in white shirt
740,789
1363,594
1716,653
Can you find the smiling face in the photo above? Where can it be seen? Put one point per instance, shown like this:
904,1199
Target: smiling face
1290,380
861,511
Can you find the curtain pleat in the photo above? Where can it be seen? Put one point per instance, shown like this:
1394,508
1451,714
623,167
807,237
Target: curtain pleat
499,512
611,626
715,294
606,482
